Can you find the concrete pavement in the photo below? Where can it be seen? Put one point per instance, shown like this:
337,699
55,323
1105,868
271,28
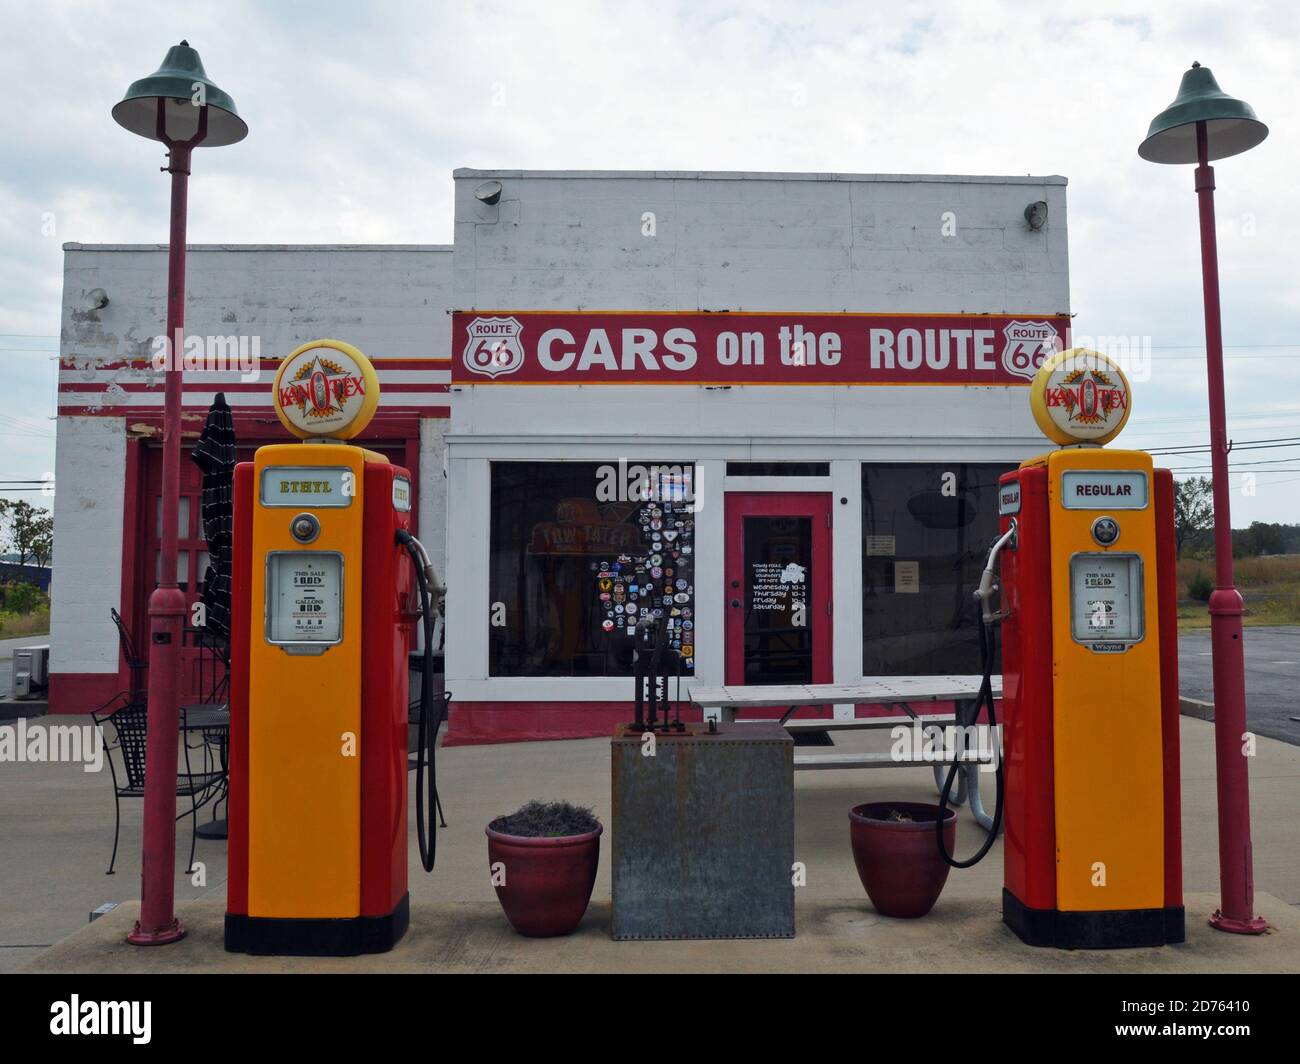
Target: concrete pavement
56,823
1272,677
960,935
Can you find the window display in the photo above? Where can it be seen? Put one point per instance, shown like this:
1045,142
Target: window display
579,553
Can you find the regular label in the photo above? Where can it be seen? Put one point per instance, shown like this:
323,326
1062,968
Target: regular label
1104,489
1009,497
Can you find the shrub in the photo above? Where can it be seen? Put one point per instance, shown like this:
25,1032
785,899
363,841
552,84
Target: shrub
1200,587
22,598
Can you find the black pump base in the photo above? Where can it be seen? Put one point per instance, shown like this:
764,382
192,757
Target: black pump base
267,936
1115,929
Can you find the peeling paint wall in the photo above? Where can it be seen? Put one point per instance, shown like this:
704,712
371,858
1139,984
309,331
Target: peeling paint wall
392,302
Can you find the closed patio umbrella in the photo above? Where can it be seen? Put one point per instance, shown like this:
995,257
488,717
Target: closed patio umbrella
215,455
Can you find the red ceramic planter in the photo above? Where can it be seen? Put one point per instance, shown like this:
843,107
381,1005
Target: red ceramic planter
547,881
898,861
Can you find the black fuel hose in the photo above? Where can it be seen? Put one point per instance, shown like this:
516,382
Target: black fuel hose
987,654
430,719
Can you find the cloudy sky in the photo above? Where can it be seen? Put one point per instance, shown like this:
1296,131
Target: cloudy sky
359,112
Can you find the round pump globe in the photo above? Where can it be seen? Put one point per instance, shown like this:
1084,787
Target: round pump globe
167,104
1080,396
326,388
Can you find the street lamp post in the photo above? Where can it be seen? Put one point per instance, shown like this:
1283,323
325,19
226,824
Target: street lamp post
180,107
1205,123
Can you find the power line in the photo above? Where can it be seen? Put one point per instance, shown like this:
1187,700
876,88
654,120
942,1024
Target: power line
1244,445
1239,465
1207,469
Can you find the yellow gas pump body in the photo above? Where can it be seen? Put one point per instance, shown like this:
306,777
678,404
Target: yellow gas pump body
305,708
1105,705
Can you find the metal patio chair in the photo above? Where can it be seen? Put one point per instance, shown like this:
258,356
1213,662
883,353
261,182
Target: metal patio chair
136,665
128,714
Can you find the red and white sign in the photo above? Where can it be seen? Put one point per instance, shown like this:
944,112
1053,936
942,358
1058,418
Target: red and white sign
611,347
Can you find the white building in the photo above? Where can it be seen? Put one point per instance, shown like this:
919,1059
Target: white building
828,370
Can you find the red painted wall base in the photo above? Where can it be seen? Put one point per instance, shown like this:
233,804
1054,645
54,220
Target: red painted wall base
82,692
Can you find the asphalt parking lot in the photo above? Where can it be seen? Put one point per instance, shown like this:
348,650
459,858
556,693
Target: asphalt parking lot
1272,678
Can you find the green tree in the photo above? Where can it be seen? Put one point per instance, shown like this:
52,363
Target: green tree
1193,509
26,530
1261,538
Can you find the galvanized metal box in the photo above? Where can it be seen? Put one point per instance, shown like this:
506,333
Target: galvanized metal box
703,834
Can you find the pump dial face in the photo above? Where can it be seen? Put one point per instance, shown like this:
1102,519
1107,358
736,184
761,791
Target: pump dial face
304,528
1105,530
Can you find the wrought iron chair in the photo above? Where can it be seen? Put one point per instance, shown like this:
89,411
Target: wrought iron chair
128,714
135,664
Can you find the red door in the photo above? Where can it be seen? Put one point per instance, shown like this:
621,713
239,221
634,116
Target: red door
778,593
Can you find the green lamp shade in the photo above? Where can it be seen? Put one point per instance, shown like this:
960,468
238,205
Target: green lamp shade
1230,124
183,87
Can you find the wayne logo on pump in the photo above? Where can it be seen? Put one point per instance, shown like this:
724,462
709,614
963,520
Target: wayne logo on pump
494,348
1028,345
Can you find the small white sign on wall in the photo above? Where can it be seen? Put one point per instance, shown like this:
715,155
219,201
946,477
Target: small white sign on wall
880,546
907,578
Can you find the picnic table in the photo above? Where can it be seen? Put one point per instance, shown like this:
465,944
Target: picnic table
902,693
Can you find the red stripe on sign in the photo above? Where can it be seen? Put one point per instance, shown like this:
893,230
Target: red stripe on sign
381,362
769,348
193,384
155,412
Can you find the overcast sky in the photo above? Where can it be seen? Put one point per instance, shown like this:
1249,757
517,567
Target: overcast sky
359,113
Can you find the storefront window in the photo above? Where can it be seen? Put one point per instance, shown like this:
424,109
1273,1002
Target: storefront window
926,530
580,552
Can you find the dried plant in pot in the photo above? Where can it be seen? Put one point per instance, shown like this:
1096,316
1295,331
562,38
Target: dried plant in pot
543,859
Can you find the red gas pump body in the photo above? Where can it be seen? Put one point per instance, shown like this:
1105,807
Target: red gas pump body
1033,752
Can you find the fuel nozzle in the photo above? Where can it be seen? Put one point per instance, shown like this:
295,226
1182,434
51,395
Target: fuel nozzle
437,590
988,586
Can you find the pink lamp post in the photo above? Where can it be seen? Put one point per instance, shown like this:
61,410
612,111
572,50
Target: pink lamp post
180,107
1205,123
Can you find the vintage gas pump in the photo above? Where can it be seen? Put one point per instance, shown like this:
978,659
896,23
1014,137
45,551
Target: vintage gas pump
323,609
1093,850
1088,782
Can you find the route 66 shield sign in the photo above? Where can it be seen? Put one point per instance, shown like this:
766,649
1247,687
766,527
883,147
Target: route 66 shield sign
1028,345
494,348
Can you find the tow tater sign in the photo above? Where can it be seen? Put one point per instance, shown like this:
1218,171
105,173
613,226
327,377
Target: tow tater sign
605,347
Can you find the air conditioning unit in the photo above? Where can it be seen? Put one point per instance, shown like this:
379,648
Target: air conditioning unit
31,671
